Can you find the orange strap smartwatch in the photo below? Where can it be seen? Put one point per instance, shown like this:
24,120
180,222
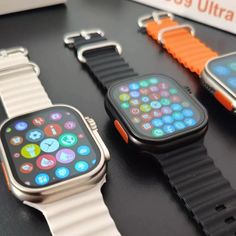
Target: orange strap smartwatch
218,74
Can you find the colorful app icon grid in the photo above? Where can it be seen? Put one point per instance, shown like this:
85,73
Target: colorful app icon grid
50,146
156,106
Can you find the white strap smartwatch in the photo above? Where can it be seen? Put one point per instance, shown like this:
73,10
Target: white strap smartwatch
52,156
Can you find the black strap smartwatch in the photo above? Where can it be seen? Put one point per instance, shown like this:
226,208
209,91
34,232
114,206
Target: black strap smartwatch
155,115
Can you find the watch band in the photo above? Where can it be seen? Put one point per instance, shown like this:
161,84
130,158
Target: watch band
207,195
179,40
21,91
102,57
82,214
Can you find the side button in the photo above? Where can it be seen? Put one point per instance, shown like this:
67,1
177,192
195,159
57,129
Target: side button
121,131
6,176
224,100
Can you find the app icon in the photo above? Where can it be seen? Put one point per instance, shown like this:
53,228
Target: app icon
153,80
166,110
16,155
146,117
188,112
70,125
16,141
176,107
83,150
178,115
156,113
190,122
46,162
124,97
155,104
53,130
49,145
94,161
233,66
81,166
134,86
175,99
124,89
125,105
179,125
164,94
136,120
154,89
62,172
145,108
232,82
8,130
221,70
167,119
30,151
144,83
34,135
173,91
26,168
163,86
144,91
185,104
68,140
155,96
65,156
165,101
134,102
21,125
146,126
157,132
80,135
56,116
169,129
42,179
145,99
134,94
135,111
38,121
157,122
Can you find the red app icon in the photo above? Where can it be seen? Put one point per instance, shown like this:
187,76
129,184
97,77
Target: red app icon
156,113
163,86
46,162
53,130
26,168
80,135
144,91
38,121
155,96
135,111
175,98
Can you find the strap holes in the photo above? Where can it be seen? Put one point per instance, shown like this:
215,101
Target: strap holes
229,220
220,207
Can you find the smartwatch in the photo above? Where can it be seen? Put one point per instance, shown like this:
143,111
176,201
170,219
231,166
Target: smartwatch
157,117
52,156
217,73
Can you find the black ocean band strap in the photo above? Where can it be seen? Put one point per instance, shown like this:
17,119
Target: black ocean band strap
207,195
102,57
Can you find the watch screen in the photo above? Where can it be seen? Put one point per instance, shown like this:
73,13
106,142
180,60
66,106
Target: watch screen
50,146
156,106
224,69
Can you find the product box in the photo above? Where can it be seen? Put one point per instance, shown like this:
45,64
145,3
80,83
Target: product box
218,13
9,6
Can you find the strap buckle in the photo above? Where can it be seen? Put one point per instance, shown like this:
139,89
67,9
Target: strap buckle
156,16
94,46
69,39
173,28
12,51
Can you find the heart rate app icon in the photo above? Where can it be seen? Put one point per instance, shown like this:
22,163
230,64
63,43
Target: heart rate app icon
46,162
26,168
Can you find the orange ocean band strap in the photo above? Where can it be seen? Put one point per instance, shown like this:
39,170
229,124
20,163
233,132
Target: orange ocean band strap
181,43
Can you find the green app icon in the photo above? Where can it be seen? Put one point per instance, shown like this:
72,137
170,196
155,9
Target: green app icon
157,132
68,140
144,83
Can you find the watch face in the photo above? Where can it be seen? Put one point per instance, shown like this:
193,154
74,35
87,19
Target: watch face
49,146
156,107
224,71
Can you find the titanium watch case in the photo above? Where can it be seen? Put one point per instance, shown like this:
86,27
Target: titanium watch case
65,188
213,84
159,146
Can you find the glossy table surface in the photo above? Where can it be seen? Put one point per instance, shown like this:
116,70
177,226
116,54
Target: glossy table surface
138,196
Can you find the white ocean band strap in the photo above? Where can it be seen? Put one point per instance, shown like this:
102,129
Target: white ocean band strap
82,214
21,91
